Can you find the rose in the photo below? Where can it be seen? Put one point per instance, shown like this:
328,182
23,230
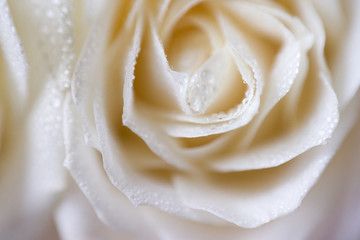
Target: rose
177,180
184,173
55,97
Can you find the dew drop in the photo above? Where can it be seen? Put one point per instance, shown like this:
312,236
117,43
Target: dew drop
49,14
56,103
66,84
69,40
64,10
68,22
60,30
325,141
200,91
207,76
196,105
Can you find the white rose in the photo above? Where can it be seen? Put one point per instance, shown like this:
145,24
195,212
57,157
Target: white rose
214,118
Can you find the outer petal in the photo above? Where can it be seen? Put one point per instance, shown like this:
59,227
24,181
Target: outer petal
15,58
84,164
32,151
329,211
342,45
32,175
75,219
251,199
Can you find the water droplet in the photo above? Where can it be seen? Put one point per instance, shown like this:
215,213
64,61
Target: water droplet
325,141
64,10
196,105
56,103
60,30
200,91
68,22
49,14
66,84
207,76
78,84
69,40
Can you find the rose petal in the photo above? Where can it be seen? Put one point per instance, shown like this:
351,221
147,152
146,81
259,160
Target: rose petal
75,219
84,164
304,136
32,176
133,120
341,217
137,186
329,211
316,206
49,45
261,199
32,149
15,59
171,12
286,68
344,67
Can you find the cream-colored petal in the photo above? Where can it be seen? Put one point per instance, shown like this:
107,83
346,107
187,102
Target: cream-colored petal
250,199
85,166
15,59
76,219
285,70
31,173
90,64
82,89
191,94
123,171
341,47
48,44
340,218
134,120
206,88
312,132
106,185
174,11
328,211
32,176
